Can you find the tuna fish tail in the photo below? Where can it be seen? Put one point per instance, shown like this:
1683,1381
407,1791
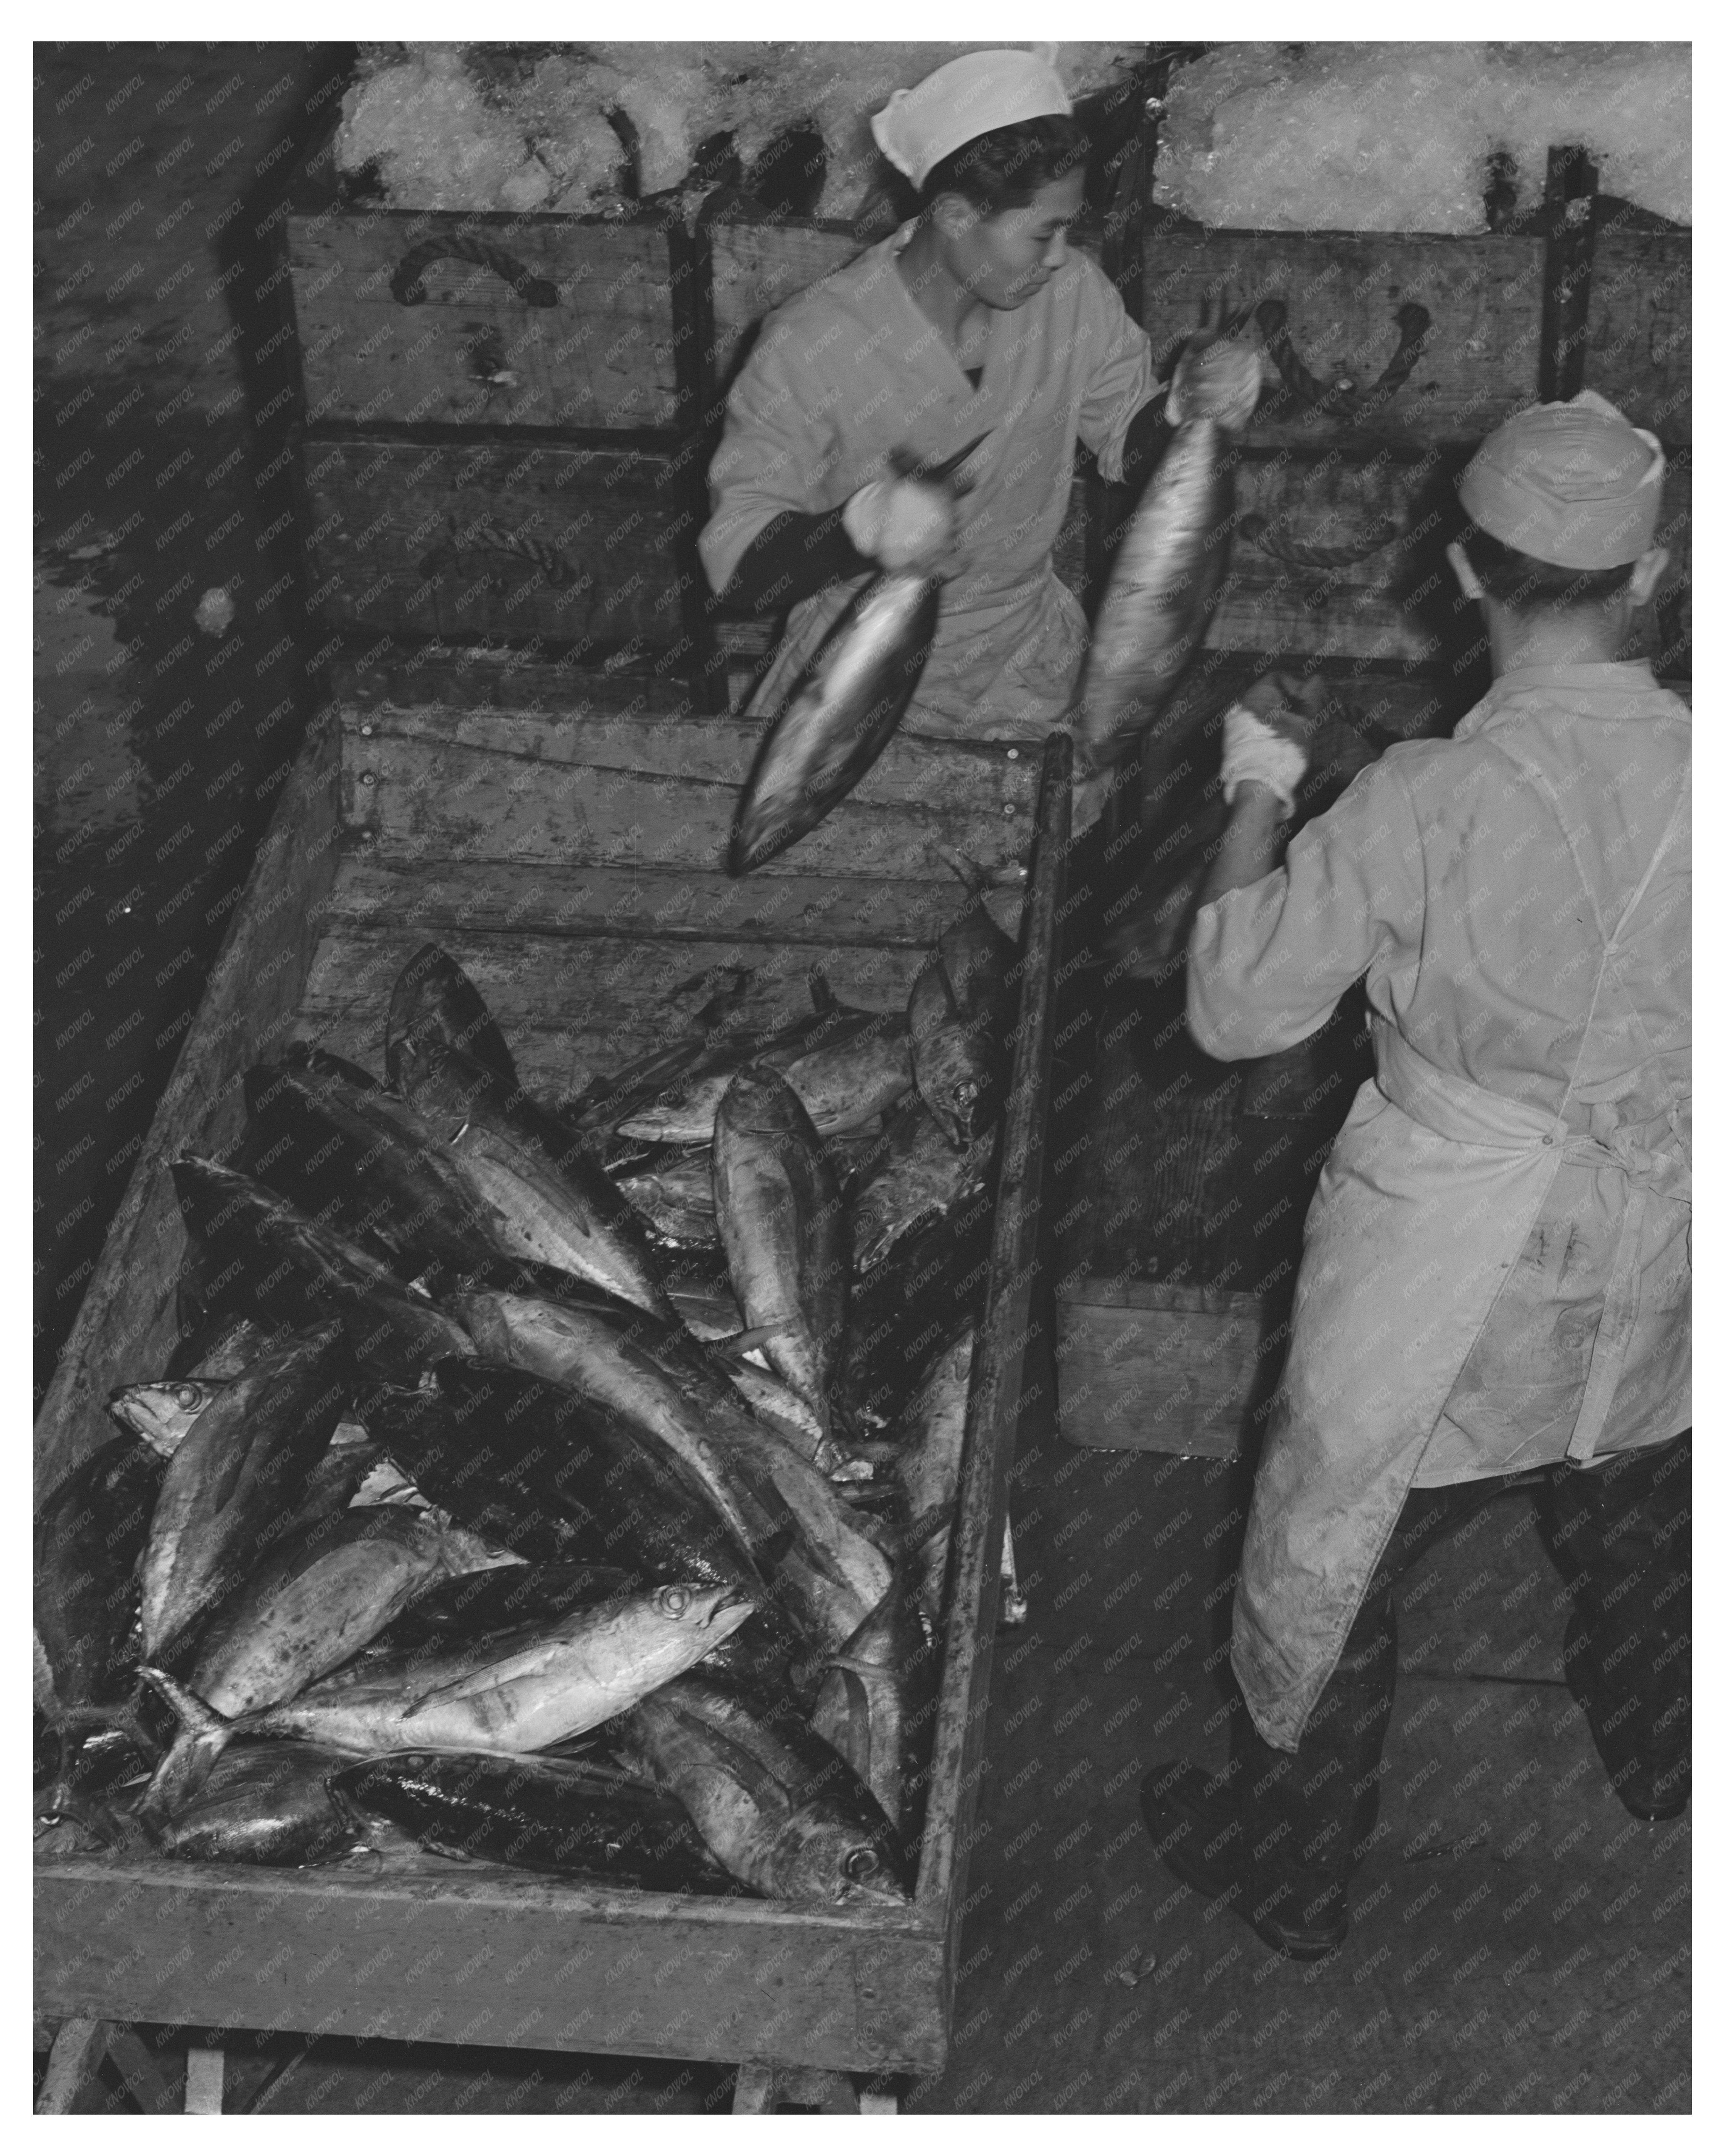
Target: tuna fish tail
204,1735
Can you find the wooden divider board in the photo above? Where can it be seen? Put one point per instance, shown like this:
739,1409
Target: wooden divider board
566,543
1342,290
1640,333
474,352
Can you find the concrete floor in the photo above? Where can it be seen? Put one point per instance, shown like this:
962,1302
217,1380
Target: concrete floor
1520,1944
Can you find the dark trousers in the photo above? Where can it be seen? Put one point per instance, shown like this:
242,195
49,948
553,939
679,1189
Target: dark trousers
1620,1535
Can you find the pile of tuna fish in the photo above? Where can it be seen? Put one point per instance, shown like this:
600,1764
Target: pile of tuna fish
569,1487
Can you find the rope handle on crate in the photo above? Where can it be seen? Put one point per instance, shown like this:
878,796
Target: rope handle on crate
1345,398
1306,554
408,284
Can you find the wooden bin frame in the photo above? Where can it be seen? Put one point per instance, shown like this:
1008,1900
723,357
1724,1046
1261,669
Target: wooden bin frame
424,1952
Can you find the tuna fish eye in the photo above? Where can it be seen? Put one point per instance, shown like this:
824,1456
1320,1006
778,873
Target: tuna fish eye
672,1601
860,1864
186,1396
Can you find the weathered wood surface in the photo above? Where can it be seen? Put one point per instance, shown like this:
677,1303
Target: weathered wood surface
758,267
1161,1367
967,778
569,544
437,801
500,897
998,1383
474,351
420,1953
1639,330
1342,292
1290,585
127,1317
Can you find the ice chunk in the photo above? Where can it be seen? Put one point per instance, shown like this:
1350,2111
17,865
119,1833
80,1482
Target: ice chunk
1399,137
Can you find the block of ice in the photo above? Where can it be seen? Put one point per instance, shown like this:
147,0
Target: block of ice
1400,137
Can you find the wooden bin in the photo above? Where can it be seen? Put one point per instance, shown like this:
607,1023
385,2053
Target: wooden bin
435,798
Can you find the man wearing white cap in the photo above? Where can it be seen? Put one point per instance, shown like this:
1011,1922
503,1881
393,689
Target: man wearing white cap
1496,1274
974,320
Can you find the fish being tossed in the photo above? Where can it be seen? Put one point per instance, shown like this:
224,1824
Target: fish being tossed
846,708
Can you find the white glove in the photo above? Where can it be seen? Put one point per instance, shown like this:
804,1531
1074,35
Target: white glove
1219,382
900,523
1252,750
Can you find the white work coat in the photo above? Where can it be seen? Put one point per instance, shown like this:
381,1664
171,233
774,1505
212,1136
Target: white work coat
1496,1273
851,370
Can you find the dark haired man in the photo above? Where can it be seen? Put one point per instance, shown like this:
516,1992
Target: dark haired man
974,319
1496,1271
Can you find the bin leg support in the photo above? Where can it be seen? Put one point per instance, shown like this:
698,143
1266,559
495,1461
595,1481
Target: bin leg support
765,2088
79,2047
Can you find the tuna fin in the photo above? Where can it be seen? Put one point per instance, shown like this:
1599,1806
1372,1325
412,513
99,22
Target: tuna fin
738,1344
204,1735
820,992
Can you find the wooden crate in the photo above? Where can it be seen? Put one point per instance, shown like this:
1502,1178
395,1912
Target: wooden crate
484,319
1340,295
468,1954
583,545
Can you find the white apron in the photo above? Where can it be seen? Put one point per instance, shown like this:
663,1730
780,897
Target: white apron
1421,1213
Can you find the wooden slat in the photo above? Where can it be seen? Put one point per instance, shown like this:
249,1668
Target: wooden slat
1157,1367
1640,339
80,2045
498,897
1397,603
758,267
520,539
1341,291
438,801
602,356
249,1005
979,778
205,2072
420,1953
998,1369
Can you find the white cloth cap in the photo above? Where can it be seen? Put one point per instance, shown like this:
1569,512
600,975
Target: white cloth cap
968,97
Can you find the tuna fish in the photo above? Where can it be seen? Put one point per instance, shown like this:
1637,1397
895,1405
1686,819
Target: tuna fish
675,1199
775,1804
549,1200
784,1230
961,1013
263,1804
659,1384
536,1690
912,1175
567,1816
845,1066
876,1704
930,1453
844,712
315,1604
1165,584
528,1464
231,1490
363,1161
281,1267
466,1608
434,1002
90,1536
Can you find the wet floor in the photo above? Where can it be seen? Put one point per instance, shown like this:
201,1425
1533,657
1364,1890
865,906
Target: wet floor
1520,1944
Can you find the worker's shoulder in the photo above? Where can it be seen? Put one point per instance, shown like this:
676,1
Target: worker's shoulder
850,292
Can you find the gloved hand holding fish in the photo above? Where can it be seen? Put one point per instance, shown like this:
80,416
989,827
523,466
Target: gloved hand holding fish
837,721
439,1482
